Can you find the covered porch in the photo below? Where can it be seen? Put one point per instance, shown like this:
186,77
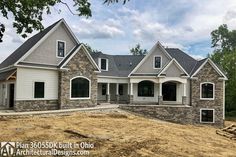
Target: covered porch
150,91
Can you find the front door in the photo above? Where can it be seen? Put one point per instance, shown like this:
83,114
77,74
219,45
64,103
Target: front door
11,95
169,91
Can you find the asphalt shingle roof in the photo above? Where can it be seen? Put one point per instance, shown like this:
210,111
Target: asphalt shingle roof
25,47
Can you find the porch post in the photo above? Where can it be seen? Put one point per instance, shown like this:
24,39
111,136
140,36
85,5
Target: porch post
108,93
117,93
160,98
184,97
131,97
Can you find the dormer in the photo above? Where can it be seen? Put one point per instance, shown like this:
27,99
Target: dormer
103,64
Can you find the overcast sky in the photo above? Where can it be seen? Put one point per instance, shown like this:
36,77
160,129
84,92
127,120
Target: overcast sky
114,29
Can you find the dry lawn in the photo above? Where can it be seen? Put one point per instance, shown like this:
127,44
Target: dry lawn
117,133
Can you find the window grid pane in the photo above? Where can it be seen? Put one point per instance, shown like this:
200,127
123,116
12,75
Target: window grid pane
207,90
157,62
146,89
207,116
103,64
61,49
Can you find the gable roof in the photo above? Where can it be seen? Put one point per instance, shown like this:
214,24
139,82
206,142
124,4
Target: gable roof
186,61
118,65
25,47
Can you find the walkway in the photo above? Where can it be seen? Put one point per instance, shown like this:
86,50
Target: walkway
98,107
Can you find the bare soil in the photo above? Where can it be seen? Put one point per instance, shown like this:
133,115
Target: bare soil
116,133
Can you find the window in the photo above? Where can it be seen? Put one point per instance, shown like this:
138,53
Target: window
80,88
157,62
103,64
207,115
207,91
60,48
121,89
38,89
104,89
146,89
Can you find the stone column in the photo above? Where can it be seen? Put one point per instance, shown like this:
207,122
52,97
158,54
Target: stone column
108,98
117,93
160,97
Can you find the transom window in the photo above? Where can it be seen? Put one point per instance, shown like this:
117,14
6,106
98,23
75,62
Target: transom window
38,89
103,64
207,116
157,62
61,48
146,89
207,91
80,88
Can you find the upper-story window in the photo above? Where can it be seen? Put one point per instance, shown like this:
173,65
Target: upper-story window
157,62
207,91
61,48
103,64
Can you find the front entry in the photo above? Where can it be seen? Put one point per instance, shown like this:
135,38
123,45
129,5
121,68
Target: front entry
11,95
169,91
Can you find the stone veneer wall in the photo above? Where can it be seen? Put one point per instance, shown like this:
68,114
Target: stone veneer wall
35,105
79,65
178,114
208,74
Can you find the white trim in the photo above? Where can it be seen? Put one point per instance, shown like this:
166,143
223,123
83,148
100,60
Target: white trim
223,99
57,48
38,63
201,98
36,67
81,98
154,59
213,65
178,65
158,44
6,68
207,109
116,77
99,64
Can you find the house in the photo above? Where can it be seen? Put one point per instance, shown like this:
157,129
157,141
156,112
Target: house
53,70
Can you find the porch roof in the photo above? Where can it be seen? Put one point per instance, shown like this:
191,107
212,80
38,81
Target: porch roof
5,75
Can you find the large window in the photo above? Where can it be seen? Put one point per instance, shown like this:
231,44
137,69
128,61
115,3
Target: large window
157,62
80,88
207,116
207,91
38,89
146,89
103,64
61,48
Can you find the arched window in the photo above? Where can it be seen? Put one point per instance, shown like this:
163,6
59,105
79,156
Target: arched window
207,91
80,87
146,89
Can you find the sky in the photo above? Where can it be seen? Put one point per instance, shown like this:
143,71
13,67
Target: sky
116,28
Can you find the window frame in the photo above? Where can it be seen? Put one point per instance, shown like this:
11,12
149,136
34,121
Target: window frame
44,89
213,118
100,64
151,96
213,95
57,48
154,60
80,98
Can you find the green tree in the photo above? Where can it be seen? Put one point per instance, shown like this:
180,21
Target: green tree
137,50
224,42
90,49
28,14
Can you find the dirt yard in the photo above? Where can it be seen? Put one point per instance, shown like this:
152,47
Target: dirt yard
117,133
